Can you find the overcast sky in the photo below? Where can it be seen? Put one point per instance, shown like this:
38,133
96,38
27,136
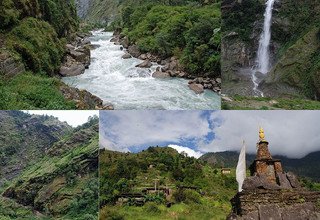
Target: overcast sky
73,118
290,133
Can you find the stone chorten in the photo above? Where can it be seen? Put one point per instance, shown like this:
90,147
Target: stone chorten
270,193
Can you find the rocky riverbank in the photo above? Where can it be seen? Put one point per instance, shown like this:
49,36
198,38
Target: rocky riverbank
170,67
76,61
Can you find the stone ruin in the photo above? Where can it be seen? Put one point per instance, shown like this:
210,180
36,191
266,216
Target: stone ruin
272,194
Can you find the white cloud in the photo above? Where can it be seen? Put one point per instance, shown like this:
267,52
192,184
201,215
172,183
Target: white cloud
122,129
290,133
72,117
190,152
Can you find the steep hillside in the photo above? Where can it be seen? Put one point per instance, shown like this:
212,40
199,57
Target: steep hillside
33,35
187,187
24,138
294,48
189,31
60,182
308,166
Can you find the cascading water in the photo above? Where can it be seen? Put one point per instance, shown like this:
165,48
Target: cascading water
119,82
263,55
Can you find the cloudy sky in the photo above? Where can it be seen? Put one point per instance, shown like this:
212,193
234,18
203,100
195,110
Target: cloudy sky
290,133
73,118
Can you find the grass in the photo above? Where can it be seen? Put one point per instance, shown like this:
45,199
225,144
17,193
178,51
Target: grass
206,210
29,91
259,103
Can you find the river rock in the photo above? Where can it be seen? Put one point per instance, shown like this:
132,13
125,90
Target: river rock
134,51
145,64
125,42
114,39
94,46
73,70
83,98
197,88
126,56
143,56
86,41
160,75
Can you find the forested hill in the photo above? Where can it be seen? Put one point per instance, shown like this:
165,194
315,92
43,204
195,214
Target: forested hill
188,30
47,168
308,166
197,191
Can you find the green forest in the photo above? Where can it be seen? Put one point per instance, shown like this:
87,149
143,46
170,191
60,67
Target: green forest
189,30
197,190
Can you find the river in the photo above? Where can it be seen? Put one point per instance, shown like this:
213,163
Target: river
119,82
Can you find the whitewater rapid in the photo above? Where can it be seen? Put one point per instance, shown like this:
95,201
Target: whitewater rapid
119,82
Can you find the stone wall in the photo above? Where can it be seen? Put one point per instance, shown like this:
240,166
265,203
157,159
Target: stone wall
276,204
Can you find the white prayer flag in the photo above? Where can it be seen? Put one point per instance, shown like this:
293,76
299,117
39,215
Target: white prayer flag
241,167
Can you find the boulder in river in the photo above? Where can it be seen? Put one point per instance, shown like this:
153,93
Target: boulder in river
134,51
126,56
72,70
145,64
159,74
197,88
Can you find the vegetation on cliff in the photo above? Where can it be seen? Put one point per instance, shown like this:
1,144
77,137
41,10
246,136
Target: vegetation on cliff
33,33
49,170
294,48
197,190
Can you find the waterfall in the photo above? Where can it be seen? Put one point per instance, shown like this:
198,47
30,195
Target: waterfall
263,56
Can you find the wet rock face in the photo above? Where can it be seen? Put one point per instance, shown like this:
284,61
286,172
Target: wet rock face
82,7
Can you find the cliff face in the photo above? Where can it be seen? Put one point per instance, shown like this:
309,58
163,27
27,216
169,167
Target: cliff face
294,28
24,138
63,171
98,11
83,7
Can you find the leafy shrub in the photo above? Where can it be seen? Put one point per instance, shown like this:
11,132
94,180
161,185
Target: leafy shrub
38,45
191,33
152,207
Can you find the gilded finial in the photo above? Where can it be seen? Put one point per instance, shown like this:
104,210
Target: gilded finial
261,134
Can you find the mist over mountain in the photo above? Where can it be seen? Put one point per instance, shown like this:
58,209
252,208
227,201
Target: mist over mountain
308,166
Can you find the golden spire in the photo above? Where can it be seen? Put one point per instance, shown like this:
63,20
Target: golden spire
261,134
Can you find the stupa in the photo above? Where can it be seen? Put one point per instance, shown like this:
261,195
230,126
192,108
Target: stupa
270,193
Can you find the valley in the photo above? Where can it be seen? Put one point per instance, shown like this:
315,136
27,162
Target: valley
49,169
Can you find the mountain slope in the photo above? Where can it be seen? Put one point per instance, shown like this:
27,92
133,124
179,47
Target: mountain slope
308,166
62,182
24,138
196,191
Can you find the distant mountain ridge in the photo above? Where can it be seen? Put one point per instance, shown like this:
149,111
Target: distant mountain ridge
308,166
